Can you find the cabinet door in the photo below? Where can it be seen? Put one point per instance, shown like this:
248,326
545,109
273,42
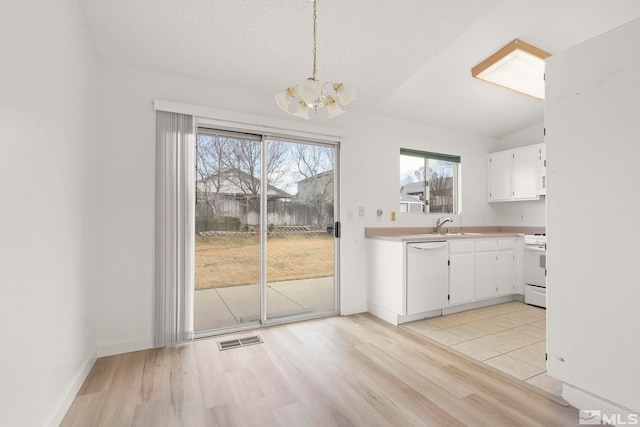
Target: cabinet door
461,272
506,267
500,165
486,269
525,173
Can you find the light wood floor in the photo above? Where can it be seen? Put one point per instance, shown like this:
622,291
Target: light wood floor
339,371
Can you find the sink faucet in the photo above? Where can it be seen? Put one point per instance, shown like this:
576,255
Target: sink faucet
440,222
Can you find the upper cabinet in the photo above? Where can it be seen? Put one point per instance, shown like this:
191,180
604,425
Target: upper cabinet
500,172
515,174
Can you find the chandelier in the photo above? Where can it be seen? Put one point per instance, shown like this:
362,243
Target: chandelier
314,95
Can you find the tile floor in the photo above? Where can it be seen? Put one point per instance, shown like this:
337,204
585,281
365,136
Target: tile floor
510,337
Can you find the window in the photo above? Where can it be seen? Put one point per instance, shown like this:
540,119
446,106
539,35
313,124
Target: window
429,182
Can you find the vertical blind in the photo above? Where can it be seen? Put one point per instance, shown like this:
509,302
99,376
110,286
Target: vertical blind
174,249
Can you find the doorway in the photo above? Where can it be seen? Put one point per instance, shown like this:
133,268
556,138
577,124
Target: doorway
265,243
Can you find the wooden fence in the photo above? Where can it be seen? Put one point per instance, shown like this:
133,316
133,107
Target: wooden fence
279,212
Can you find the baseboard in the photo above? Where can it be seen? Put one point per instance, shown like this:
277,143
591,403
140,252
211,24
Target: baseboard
64,403
383,314
478,304
588,403
355,309
120,347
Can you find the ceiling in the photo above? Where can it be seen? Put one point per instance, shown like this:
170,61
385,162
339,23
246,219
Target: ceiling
409,59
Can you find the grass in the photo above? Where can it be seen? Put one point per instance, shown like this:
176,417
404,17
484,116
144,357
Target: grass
232,261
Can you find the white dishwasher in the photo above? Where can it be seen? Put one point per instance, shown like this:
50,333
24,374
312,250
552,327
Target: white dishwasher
427,276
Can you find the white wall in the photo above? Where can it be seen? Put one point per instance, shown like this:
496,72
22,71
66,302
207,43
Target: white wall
523,213
48,209
370,178
592,112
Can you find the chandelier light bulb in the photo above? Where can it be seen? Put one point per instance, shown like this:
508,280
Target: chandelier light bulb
284,98
333,108
346,94
310,91
302,111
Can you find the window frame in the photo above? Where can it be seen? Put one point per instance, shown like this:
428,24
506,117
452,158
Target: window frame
457,185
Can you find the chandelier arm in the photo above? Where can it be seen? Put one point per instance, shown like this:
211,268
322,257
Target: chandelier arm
315,35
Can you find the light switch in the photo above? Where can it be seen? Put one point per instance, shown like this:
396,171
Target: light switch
360,210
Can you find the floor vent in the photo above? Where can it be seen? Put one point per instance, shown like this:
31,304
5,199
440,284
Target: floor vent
241,342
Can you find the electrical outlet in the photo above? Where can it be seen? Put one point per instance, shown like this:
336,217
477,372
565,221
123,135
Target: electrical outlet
350,215
360,210
393,216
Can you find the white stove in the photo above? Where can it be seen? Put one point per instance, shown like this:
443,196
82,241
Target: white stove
535,239
535,269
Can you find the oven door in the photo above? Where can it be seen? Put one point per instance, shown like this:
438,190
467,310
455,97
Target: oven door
535,265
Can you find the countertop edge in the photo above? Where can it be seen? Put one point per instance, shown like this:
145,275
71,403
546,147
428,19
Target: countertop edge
445,237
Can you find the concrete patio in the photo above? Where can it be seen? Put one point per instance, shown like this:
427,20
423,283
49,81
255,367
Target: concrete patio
225,307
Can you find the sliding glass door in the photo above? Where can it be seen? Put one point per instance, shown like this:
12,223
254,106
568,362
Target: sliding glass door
300,249
227,240
264,240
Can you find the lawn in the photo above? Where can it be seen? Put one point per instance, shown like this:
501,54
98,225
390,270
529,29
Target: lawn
232,261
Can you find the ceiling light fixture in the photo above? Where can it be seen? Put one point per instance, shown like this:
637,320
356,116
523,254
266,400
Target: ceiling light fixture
314,95
518,66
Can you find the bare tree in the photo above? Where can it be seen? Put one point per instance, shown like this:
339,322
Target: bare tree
315,170
212,158
440,187
440,181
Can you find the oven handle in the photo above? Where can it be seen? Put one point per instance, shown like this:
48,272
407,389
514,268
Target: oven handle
535,248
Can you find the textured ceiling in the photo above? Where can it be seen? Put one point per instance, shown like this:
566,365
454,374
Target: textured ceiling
408,58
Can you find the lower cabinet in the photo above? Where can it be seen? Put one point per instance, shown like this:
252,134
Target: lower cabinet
507,276
486,268
461,271
481,269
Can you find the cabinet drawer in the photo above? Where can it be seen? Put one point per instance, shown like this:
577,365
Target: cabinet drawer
506,244
486,245
463,247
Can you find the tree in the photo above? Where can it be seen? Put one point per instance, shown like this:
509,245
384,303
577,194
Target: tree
212,158
315,173
417,175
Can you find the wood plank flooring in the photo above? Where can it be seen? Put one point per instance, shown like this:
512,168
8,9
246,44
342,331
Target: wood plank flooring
339,371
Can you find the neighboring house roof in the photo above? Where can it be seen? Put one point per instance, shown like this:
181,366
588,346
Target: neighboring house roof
231,183
405,198
413,188
317,176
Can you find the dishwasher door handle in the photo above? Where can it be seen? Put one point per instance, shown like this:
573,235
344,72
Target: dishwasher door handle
427,246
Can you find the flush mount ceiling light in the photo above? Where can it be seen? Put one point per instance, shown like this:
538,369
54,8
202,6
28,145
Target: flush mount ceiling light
518,66
313,95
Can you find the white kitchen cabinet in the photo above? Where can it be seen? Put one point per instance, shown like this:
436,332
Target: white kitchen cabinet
513,174
461,271
402,286
506,267
495,267
500,169
486,273
525,173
